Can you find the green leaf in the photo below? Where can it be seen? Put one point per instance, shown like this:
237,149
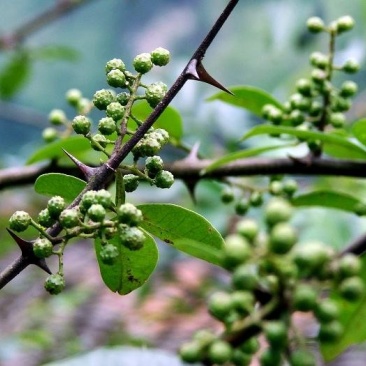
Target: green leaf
14,74
57,184
247,97
241,155
352,317
73,145
169,120
331,199
56,52
334,145
131,269
184,229
359,130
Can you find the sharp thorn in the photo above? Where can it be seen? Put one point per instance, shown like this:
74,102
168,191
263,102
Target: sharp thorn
87,171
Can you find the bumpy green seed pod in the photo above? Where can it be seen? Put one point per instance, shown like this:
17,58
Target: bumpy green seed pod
96,212
164,179
54,284
45,219
106,126
42,248
57,117
81,125
109,253
115,110
69,218
154,164
102,98
115,64
160,56
19,221
87,200
123,98
142,63
155,93
129,214
55,206
116,78
73,97
131,237
49,134
104,198
130,182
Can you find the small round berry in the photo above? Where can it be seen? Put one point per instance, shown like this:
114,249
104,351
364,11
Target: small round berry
108,254
243,302
300,102
276,188
351,66
115,110
142,63
326,311
242,206
296,117
87,200
106,126
250,346
191,352
319,60
315,24
227,195
73,97
282,238
57,117
315,108
304,87
115,64
270,357
275,115
337,120
102,98
116,78
290,187
129,214
123,98
42,248
55,206
220,352
244,278
276,333
240,358
348,89
301,357
160,56
161,135
349,265
248,228
49,134
98,142
155,93
130,182
318,76
164,179
236,251
96,212
131,237
146,147
69,218
54,284
345,23
83,106
204,337
330,332
45,219
104,198
341,104
220,305
81,125
277,210
153,165
256,199
304,298
352,289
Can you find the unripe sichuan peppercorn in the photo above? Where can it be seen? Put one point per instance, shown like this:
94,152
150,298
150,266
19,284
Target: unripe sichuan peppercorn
142,63
160,56
54,284
81,125
42,248
155,93
102,98
19,221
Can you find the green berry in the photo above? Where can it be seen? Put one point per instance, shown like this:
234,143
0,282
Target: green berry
106,126
142,63
341,104
227,195
275,188
81,125
96,213
337,120
275,115
55,206
304,298
109,254
131,237
155,93
204,337
242,302
73,97
302,358
160,56
130,182
319,60
102,98
57,117
69,218
191,352
298,101
282,238
242,206
42,248
270,357
153,165
87,200
290,186
304,87
129,214
349,265
54,284
220,305
164,179
146,147
345,23
348,89
98,142
49,134
45,219
277,210
318,76
326,311
115,64
123,98
315,108
352,289
296,117
256,199
244,278
236,250
330,332
351,66
160,135
315,24
248,228
276,334
104,198
220,352
115,110
240,358
116,78
250,346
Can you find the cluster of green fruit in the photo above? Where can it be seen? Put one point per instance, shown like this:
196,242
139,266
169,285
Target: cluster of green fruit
272,277
317,102
95,217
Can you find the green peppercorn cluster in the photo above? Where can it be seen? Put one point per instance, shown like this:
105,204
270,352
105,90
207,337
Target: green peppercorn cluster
317,103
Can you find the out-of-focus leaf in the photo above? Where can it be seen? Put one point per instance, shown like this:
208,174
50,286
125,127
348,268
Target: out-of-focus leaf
331,199
73,145
248,97
334,145
14,74
359,130
183,229
56,52
57,184
131,269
